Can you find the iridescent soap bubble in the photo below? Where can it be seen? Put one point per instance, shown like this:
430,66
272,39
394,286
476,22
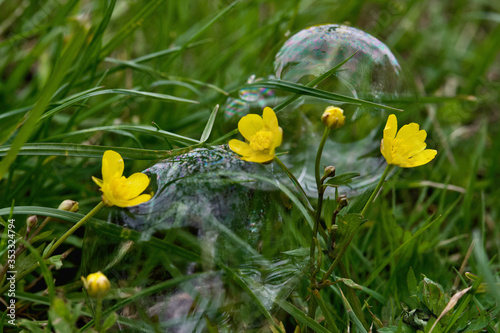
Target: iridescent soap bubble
249,98
373,74
210,226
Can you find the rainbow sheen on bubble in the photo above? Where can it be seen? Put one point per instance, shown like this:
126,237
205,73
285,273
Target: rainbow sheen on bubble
373,72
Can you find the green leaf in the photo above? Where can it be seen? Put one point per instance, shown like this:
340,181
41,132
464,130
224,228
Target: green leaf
412,283
210,123
124,92
342,179
130,27
76,150
350,283
105,228
433,296
61,317
109,321
360,202
302,252
304,90
150,130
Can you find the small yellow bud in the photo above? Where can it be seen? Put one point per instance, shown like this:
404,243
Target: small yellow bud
333,117
69,206
97,285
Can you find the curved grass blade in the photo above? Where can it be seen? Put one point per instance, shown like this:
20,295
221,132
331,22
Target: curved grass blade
76,150
301,317
127,92
210,124
304,90
150,130
314,82
105,228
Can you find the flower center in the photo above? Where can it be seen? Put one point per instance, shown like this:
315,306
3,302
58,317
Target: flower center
120,188
262,140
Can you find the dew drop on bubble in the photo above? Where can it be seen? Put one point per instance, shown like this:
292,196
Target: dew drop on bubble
372,74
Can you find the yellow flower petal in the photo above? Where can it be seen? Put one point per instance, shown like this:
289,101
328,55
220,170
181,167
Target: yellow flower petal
118,190
405,148
135,184
259,158
422,158
278,137
240,147
249,125
271,122
132,202
391,127
269,118
263,135
97,181
112,165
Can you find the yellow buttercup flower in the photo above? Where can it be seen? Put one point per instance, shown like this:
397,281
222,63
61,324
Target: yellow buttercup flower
405,149
262,134
97,285
117,190
333,117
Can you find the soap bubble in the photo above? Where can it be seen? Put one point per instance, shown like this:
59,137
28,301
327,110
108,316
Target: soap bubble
209,227
248,98
373,74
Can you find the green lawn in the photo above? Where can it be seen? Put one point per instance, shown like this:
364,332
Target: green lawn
225,245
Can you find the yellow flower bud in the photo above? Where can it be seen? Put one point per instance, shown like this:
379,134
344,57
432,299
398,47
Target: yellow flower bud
97,285
69,206
333,117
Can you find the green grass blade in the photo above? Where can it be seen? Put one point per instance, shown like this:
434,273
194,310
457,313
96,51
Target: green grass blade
210,124
125,92
74,150
301,317
149,130
61,68
130,27
304,90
